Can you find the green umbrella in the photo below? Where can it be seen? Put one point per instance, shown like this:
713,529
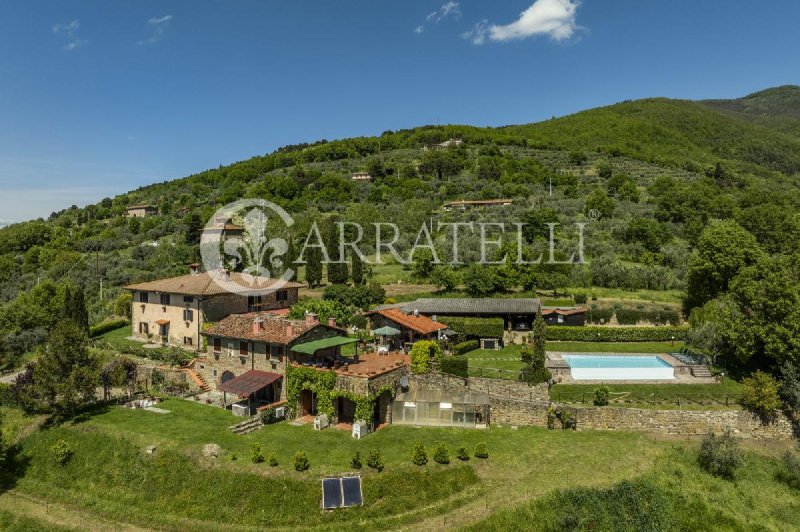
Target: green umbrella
386,331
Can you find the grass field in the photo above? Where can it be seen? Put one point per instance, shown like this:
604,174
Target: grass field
110,480
119,338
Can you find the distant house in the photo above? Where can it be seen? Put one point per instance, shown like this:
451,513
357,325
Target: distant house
141,211
175,310
444,145
413,325
564,316
361,176
471,204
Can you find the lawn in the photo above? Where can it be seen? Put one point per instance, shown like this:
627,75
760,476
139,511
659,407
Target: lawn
691,396
111,478
500,364
119,338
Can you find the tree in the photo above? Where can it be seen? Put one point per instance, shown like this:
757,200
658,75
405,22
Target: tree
66,374
324,309
356,269
599,202
313,267
535,223
337,268
444,278
534,356
194,229
648,232
75,308
423,264
724,249
479,280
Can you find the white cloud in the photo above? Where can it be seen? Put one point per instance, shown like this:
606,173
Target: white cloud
554,18
157,27
449,10
68,31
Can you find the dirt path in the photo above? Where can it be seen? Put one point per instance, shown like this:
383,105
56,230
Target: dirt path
58,515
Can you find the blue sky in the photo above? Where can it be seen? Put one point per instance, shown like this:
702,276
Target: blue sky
100,97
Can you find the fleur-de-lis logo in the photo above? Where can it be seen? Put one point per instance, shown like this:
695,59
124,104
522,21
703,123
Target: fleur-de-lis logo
255,254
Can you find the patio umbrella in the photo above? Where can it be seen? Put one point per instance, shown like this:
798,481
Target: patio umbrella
383,332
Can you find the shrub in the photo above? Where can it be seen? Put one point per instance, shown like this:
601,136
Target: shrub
300,461
581,298
422,354
598,315
441,455
62,452
790,473
268,416
419,456
720,456
616,334
462,454
481,451
760,395
568,421
465,347
375,460
355,463
601,396
272,459
455,366
256,456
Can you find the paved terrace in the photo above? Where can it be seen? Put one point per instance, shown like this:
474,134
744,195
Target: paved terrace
369,365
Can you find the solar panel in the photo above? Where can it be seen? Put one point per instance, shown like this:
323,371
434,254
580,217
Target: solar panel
351,487
331,493
341,492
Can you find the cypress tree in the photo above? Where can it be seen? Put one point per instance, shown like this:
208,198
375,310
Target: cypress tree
337,268
313,267
357,269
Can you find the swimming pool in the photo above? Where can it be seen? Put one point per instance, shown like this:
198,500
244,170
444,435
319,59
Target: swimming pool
619,368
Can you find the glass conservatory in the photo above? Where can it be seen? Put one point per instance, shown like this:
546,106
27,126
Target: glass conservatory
441,409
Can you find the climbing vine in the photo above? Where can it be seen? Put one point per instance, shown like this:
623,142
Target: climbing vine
365,404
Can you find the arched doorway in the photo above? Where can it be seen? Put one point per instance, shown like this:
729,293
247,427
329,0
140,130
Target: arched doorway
226,376
346,410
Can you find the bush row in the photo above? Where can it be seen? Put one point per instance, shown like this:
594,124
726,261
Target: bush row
106,326
475,327
616,334
465,347
632,316
458,366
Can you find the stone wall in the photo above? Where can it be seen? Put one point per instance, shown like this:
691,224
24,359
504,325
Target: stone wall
495,388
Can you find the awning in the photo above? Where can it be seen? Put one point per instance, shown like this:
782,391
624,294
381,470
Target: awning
162,322
249,382
309,348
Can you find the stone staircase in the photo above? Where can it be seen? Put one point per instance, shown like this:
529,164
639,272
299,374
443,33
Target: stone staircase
700,372
247,426
195,377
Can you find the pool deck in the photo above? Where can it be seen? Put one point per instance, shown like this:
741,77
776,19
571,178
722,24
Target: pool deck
562,373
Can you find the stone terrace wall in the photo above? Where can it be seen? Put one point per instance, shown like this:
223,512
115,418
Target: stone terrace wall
682,422
495,388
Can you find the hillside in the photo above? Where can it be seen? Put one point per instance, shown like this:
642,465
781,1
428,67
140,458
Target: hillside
657,169
777,108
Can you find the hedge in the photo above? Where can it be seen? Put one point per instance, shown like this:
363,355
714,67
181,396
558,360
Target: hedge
106,326
465,347
616,334
475,327
632,316
599,315
6,397
458,366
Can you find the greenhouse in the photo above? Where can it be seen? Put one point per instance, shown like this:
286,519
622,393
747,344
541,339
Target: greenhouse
441,409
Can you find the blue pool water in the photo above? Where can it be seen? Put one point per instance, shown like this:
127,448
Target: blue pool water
611,367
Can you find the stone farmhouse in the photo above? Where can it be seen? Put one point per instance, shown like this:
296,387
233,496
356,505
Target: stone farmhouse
174,311
141,211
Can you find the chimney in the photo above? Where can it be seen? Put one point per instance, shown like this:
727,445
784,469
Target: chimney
331,322
311,318
289,330
416,313
194,268
258,325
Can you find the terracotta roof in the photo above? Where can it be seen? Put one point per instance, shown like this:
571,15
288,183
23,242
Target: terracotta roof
420,324
240,326
249,382
132,207
564,311
162,322
202,284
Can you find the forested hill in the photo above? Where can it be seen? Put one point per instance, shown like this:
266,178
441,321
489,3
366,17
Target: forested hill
658,170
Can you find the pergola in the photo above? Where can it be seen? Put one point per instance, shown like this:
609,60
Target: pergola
247,384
